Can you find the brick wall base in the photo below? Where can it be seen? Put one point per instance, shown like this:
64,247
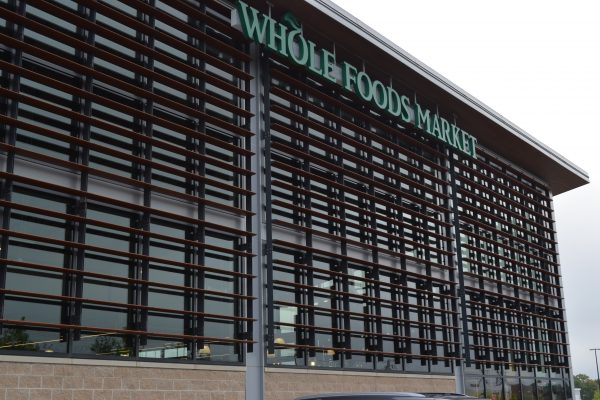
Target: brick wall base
35,378
287,385
54,381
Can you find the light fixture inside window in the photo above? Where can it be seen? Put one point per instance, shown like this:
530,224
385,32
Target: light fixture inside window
204,351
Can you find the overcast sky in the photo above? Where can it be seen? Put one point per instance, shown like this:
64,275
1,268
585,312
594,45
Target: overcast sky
538,64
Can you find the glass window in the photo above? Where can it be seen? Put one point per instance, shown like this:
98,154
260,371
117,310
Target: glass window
493,388
474,386
558,390
544,389
18,338
144,281
529,390
512,389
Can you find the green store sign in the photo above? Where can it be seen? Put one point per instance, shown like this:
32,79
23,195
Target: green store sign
287,40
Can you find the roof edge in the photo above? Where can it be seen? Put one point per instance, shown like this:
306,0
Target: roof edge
342,16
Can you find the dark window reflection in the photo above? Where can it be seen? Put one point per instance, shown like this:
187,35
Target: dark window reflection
474,386
512,389
558,390
493,388
529,390
17,338
544,389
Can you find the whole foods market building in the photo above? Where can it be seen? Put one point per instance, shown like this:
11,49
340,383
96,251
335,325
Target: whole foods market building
263,200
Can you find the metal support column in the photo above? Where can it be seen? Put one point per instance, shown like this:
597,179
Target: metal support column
255,360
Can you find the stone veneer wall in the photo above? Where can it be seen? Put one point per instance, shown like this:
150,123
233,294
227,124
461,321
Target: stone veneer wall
28,378
37,378
289,384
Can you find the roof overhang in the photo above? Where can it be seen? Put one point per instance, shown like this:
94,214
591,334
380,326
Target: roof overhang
493,131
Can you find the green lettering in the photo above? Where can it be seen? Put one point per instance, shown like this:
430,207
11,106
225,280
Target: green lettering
254,25
364,86
446,132
348,76
297,47
394,102
466,142
312,64
287,40
290,20
278,37
405,109
436,130
327,64
423,118
473,146
457,137
380,95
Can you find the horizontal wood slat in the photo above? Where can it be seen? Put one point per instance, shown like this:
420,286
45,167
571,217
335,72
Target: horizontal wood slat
365,298
61,270
416,212
507,324
328,116
130,43
511,298
45,296
495,218
334,101
404,274
375,232
409,339
502,243
399,224
184,26
466,220
513,285
96,122
104,250
329,149
126,156
32,324
356,243
287,149
363,315
118,203
356,261
369,352
479,250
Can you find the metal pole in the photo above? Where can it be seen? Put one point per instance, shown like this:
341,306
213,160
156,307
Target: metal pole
597,370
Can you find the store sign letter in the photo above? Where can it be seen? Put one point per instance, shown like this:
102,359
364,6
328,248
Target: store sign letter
286,39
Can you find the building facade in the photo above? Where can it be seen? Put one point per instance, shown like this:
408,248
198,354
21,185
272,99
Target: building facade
205,199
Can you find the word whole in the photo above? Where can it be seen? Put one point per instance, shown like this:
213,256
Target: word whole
287,40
